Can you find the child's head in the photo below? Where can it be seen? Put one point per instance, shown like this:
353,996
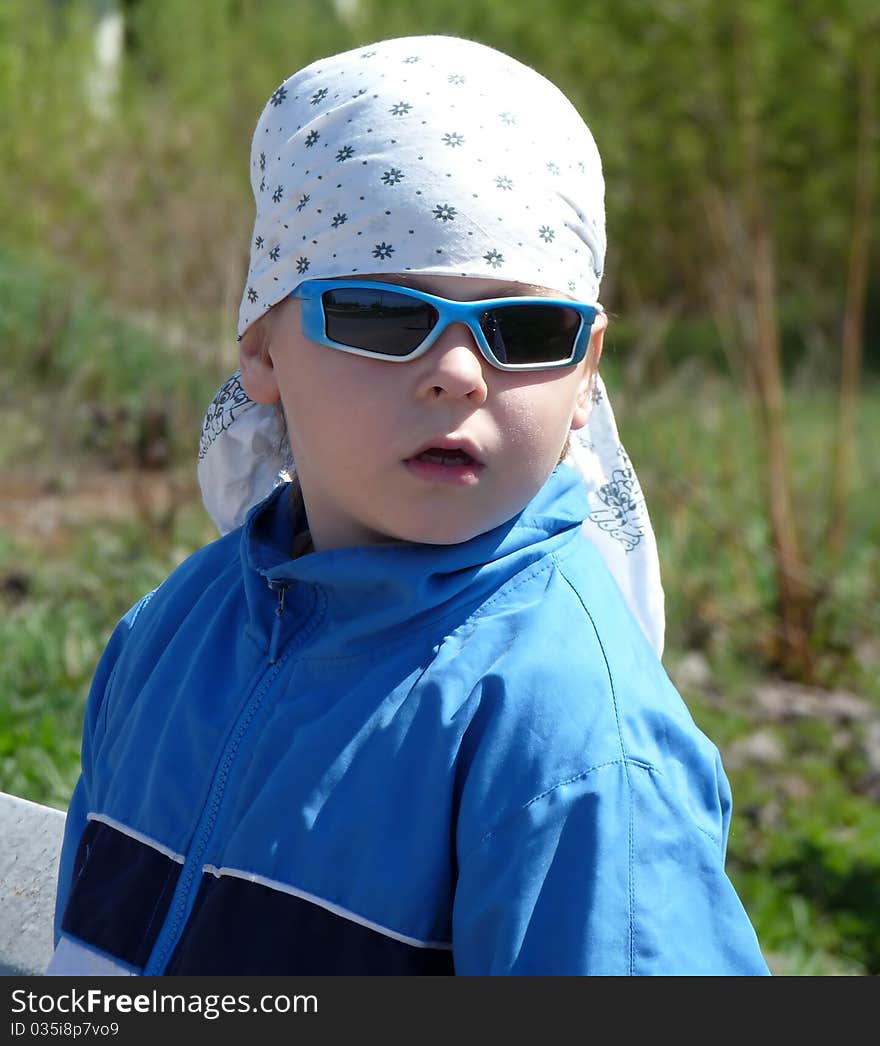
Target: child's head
438,164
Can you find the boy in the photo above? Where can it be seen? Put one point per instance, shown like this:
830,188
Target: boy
404,720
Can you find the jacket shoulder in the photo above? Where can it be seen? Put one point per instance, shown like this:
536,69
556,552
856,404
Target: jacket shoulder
559,681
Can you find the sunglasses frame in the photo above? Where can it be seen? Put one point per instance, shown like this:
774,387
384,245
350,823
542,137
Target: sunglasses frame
310,293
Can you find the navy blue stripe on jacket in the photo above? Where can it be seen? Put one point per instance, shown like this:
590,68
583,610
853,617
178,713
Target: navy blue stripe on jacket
241,925
122,886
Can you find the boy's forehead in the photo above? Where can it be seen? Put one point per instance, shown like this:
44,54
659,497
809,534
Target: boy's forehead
464,288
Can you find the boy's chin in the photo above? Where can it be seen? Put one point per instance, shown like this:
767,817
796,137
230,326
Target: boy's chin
454,532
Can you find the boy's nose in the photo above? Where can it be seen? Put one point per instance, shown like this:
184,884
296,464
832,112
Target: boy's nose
453,367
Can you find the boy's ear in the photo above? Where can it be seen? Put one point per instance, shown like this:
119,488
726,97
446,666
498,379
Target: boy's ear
255,363
584,398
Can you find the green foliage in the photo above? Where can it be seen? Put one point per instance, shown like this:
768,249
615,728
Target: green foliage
97,382
147,187
57,610
698,458
813,881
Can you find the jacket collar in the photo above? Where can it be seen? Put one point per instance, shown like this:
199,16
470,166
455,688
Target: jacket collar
366,592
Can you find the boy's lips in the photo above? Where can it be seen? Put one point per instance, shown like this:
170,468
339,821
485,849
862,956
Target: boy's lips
448,450
446,459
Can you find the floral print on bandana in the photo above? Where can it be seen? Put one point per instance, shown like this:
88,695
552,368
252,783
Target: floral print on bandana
621,499
230,402
392,154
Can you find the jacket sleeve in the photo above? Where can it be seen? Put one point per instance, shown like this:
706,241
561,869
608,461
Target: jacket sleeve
80,802
605,874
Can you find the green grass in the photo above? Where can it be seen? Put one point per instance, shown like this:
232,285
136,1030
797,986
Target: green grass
117,390
57,610
85,392
699,463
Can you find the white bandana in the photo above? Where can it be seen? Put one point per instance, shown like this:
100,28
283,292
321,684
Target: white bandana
435,155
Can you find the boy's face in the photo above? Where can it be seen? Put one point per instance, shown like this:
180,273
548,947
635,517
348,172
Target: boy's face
361,429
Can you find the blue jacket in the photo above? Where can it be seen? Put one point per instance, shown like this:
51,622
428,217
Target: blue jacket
405,759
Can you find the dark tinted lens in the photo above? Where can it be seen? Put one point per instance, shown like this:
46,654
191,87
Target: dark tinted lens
378,321
521,334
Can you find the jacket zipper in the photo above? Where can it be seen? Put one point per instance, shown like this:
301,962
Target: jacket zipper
281,588
181,904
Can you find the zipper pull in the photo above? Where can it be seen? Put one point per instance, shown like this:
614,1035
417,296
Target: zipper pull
281,588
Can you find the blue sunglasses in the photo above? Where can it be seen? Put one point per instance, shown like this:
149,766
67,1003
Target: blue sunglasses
388,322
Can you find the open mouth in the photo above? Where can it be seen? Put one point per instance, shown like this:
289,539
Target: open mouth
441,456
446,465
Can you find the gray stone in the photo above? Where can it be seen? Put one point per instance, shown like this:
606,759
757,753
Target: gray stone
692,672
30,845
762,746
780,700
